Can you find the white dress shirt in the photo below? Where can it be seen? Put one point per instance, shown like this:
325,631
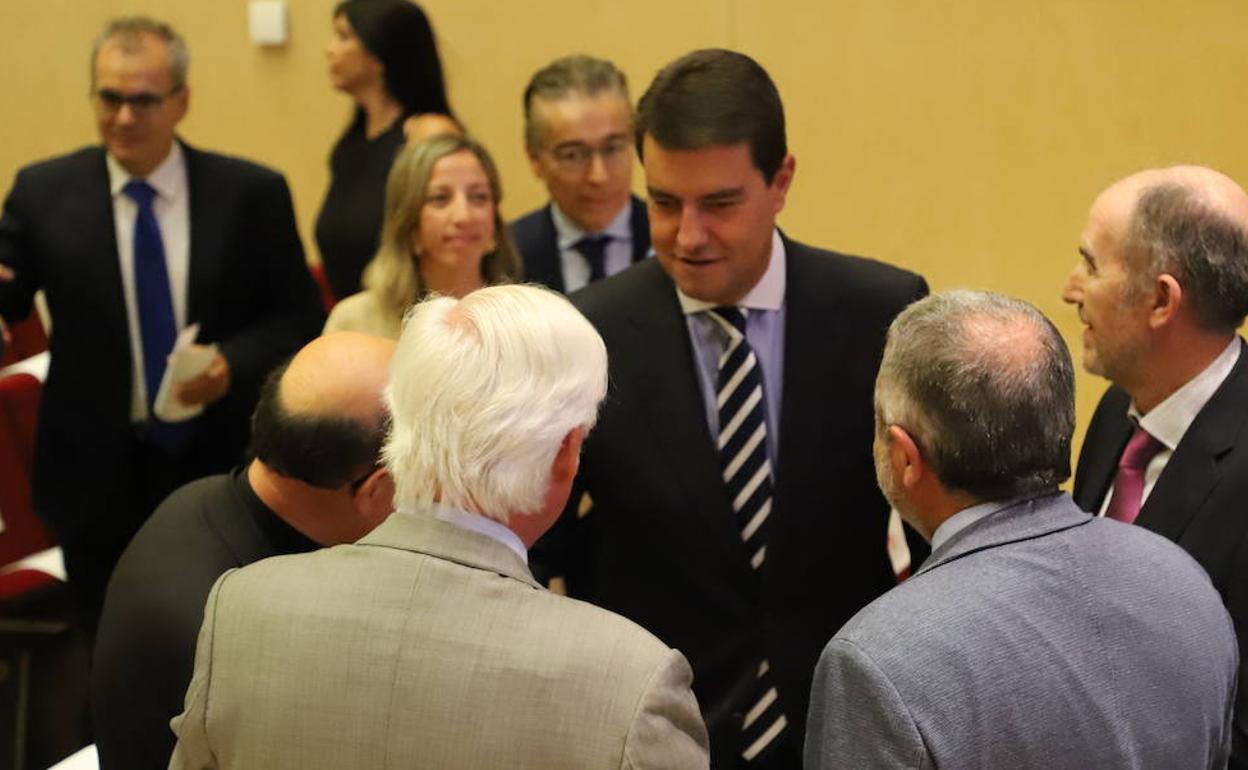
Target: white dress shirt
172,209
1169,420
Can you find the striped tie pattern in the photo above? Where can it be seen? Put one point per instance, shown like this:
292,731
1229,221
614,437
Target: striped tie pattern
747,476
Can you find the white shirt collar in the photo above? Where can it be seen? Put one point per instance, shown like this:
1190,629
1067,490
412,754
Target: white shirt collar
568,233
168,179
767,294
1169,420
473,522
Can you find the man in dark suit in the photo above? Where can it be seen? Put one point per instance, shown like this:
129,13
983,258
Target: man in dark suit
734,506
577,119
315,482
132,242
1162,286
1034,635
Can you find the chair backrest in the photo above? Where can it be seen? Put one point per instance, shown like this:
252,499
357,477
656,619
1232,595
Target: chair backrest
23,533
29,339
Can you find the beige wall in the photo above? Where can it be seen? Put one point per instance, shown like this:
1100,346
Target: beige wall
963,139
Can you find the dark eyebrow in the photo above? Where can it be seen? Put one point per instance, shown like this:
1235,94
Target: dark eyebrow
732,193
1087,254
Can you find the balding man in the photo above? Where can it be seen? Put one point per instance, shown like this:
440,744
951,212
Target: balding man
1161,287
1034,635
429,643
316,481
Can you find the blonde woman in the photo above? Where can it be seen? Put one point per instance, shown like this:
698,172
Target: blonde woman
442,233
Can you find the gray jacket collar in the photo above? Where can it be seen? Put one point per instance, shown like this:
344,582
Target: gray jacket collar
1023,519
443,540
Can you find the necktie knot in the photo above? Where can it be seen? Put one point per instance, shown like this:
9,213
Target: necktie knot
730,319
594,249
140,192
1140,449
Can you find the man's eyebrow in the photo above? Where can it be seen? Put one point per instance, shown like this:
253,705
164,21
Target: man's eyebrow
731,193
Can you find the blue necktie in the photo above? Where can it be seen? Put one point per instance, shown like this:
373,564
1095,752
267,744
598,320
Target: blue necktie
594,249
157,326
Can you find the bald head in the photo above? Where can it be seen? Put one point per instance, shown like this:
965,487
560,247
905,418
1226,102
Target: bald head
1190,222
985,386
321,417
338,373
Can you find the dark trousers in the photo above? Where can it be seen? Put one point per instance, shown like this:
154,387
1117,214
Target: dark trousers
94,545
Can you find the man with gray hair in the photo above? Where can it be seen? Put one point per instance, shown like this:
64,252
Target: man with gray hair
134,242
429,643
577,133
1034,635
1162,286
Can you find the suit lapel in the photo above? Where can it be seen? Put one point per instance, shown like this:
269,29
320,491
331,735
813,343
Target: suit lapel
672,403
814,341
548,248
1193,471
99,227
207,233
639,222
1102,446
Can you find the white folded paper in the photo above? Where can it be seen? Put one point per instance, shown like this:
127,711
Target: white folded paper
186,361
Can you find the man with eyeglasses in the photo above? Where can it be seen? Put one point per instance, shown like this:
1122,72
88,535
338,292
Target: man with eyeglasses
133,242
577,132
315,482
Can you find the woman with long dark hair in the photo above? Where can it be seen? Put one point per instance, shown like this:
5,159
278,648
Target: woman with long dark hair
382,53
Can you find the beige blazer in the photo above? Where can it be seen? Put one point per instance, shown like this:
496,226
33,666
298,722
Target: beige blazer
426,646
364,312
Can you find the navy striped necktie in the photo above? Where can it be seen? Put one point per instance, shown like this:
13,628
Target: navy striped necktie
747,475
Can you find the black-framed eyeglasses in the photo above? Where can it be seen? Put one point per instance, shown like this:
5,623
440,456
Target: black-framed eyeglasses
577,156
109,100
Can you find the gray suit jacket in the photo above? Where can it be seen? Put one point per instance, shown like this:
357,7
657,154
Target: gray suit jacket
426,645
1037,637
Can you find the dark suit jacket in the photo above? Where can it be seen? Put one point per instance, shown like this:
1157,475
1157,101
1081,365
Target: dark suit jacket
248,286
660,545
535,237
145,649
1200,501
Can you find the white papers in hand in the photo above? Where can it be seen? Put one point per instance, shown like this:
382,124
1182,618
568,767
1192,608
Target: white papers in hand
187,360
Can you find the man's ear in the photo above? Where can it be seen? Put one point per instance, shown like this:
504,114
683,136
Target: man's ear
1167,301
374,500
903,453
568,458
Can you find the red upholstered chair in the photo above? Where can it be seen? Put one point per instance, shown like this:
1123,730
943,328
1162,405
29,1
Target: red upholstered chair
28,339
43,668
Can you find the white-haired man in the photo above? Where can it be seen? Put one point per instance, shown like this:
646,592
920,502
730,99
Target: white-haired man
428,642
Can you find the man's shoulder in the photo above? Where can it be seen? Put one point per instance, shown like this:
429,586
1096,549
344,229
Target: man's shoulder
633,288
61,168
527,225
218,164
810,264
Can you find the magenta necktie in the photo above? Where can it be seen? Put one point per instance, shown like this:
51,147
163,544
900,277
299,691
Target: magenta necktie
1124,505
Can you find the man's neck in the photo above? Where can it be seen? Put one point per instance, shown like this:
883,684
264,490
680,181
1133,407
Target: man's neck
293,502
1177,361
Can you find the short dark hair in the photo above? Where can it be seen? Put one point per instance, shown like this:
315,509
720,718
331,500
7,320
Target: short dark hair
322,450
715,97
577,74
985,386
399,34
1173,231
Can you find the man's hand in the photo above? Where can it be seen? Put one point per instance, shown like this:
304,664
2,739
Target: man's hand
207,387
